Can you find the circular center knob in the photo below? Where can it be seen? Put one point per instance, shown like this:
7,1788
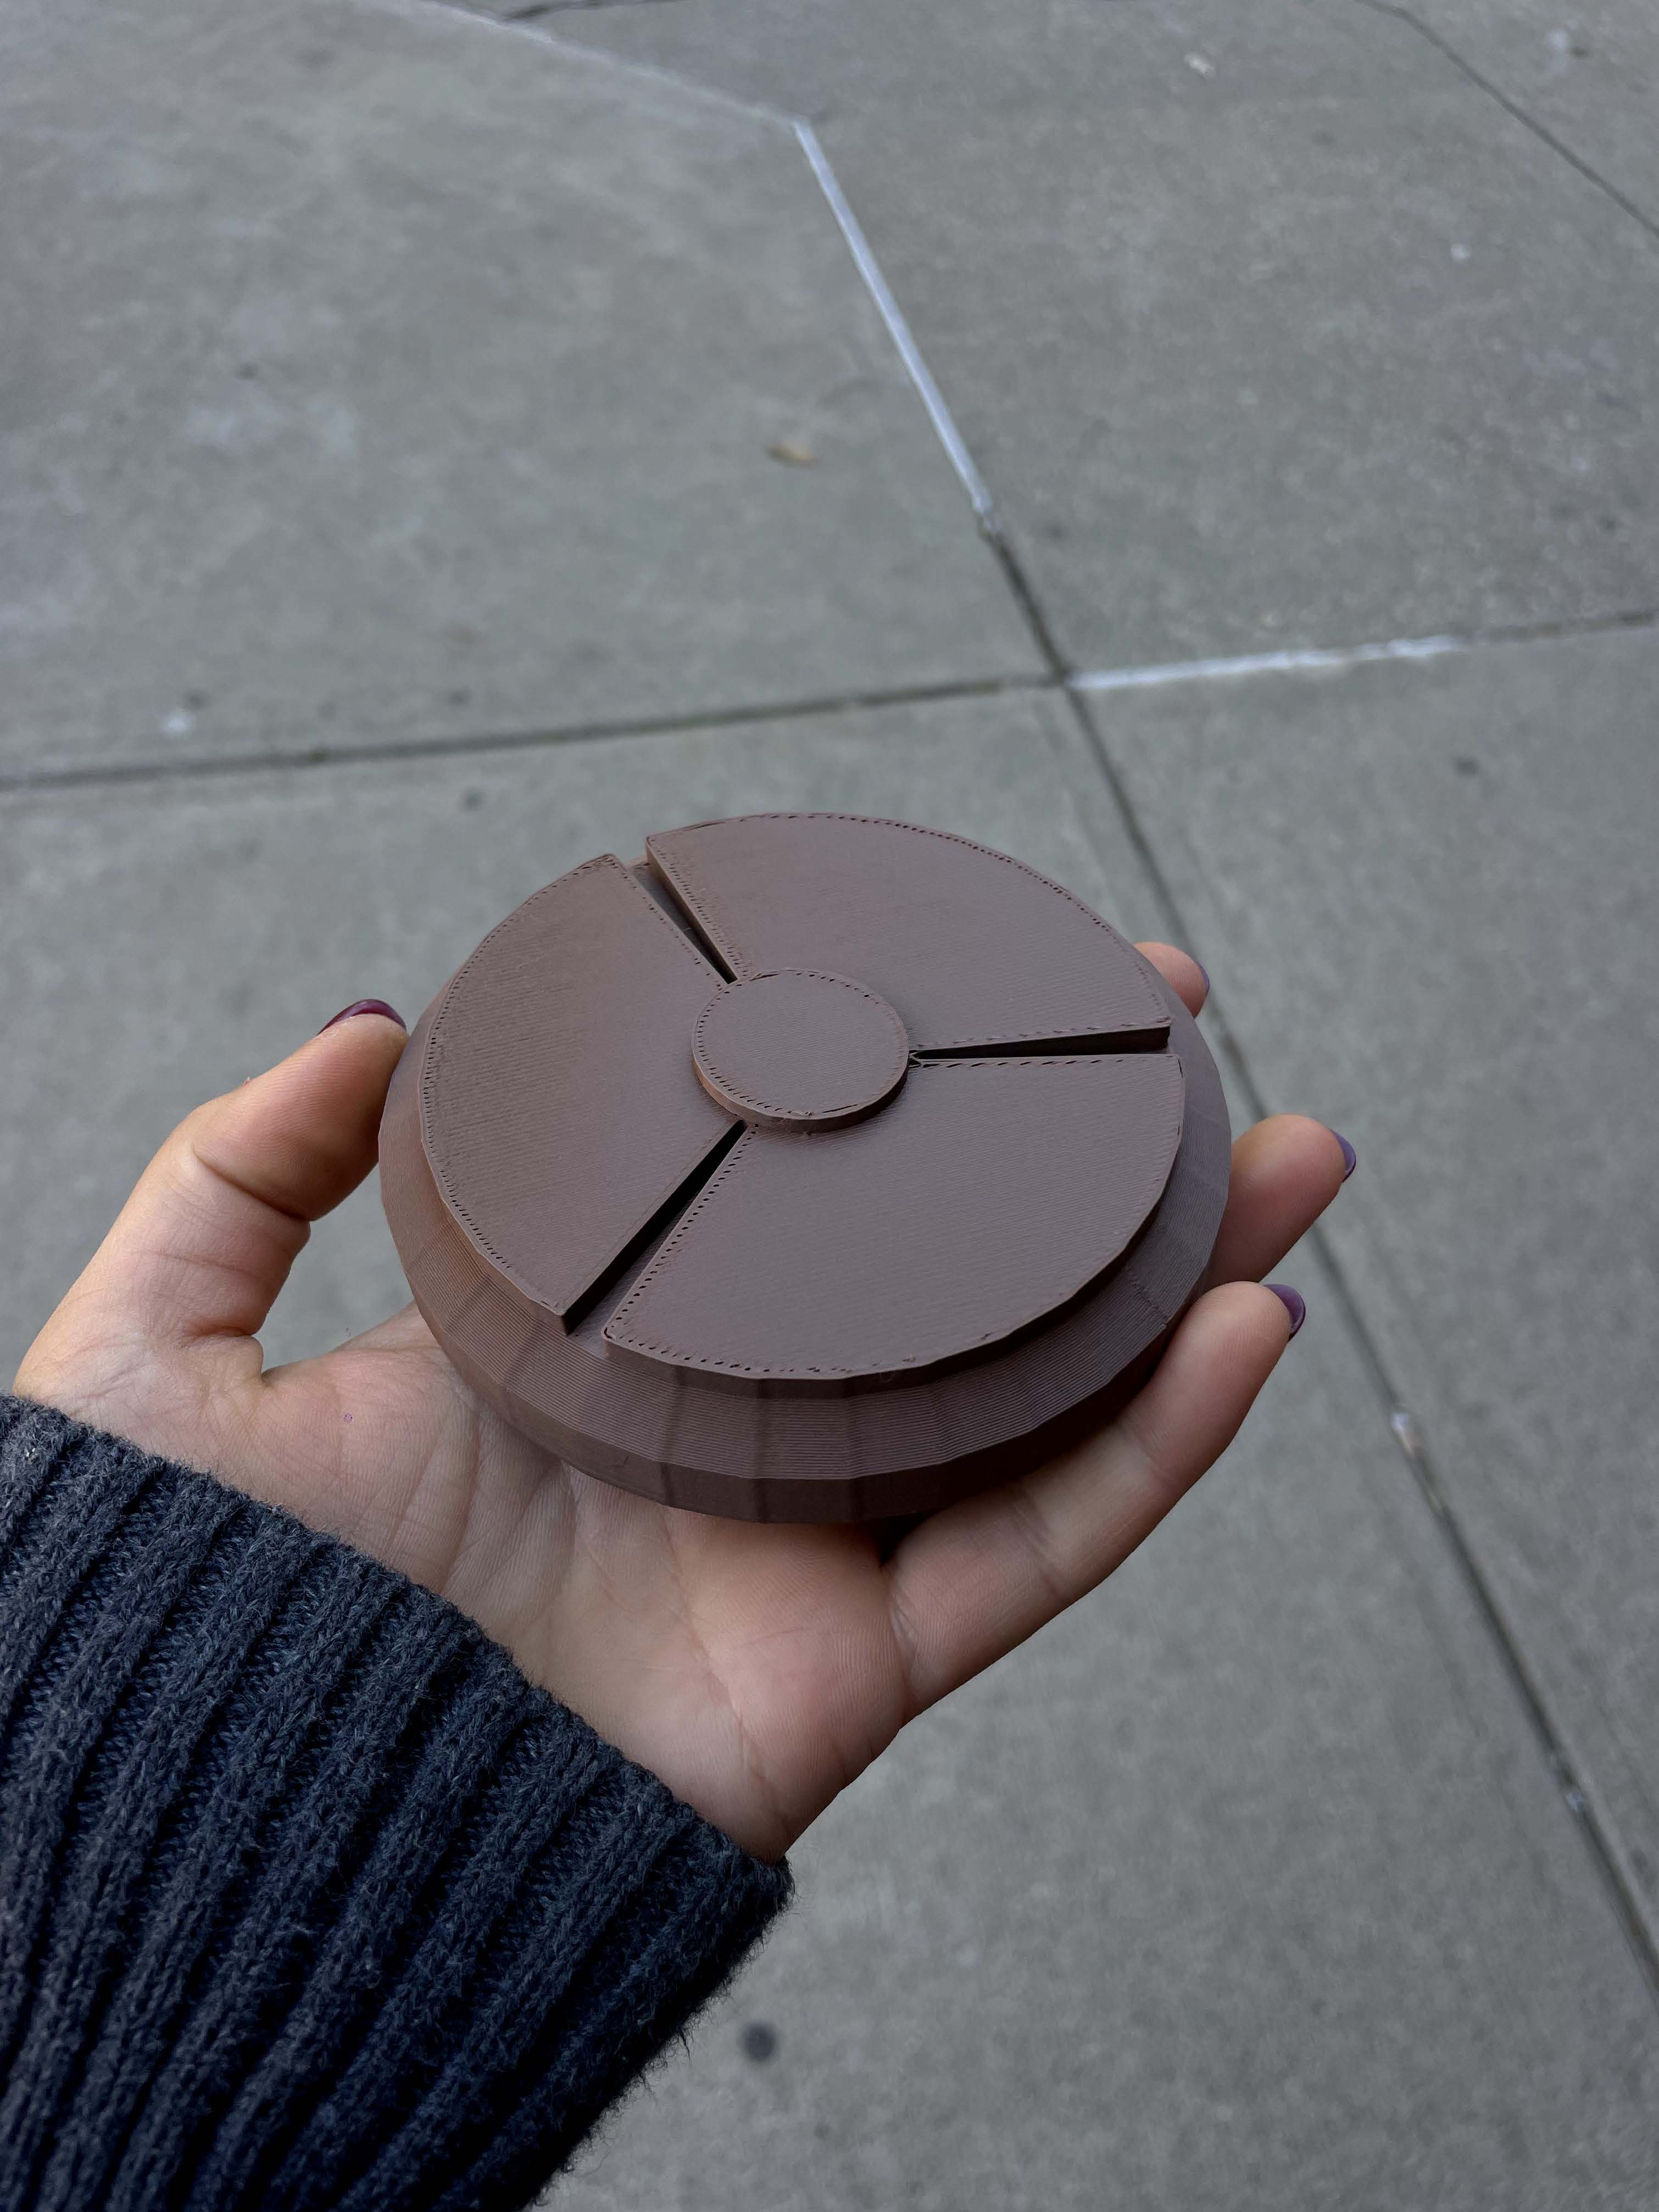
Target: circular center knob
795,1050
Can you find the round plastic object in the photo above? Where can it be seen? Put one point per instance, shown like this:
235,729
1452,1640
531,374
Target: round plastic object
812,1168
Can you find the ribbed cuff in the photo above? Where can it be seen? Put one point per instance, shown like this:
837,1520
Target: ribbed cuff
307,1897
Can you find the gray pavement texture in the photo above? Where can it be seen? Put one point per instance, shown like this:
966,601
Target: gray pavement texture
377,375
1267,326
389,522
1585,78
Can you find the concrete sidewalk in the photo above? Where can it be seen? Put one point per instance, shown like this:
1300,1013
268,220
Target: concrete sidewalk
437,450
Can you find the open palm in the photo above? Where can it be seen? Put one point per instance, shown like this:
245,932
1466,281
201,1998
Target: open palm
756,1670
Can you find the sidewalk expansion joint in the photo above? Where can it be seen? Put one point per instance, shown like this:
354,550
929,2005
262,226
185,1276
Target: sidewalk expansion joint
1599,1836
1292,660
541,23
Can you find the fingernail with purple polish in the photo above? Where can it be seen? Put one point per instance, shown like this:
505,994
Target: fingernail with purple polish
366,1007
1350,1157
1203,972
1293,1302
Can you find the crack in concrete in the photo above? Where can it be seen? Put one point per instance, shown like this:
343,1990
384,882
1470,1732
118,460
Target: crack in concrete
1513,107
1056,677
534,9
468,745
1598,1834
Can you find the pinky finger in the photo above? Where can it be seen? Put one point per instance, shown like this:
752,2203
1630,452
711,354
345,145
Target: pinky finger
971,1583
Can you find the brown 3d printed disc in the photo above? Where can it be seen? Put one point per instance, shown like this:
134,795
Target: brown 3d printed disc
812,1169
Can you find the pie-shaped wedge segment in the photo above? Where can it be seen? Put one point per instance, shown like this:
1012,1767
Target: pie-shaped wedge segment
971,949
559,1107
984,1195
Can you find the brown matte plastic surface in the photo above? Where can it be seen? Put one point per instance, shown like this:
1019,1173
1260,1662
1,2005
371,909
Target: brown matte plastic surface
799,1051
926,1233
553,1104
741,1245
969,947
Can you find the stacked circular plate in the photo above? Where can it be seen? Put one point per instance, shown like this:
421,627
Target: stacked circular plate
812,1167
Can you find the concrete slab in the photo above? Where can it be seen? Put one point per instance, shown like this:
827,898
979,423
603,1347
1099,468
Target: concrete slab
1588,74
1236,1891
1429,891
1266,327
377,373
1245,1887
983,64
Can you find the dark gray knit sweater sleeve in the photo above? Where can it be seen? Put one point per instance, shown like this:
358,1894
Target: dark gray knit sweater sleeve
307,1897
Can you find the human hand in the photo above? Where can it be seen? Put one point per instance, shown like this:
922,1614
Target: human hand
756,1668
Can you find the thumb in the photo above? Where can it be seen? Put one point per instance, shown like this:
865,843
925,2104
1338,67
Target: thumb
206,1240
